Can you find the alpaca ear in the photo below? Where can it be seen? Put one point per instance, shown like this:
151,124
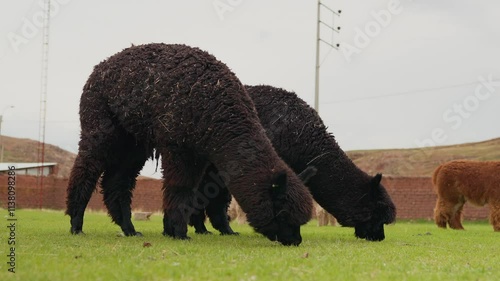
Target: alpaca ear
376,180
374,186
307,174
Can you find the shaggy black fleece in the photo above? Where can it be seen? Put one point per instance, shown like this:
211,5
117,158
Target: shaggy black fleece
192,110
340,187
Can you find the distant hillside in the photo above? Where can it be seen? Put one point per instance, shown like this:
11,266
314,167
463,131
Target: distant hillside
395,162
26,150
422,161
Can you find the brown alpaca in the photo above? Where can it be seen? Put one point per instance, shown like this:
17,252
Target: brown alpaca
459,181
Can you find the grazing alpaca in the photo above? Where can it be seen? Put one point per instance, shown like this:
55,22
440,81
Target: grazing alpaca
190,108
459,181
216,203
299,136
235,213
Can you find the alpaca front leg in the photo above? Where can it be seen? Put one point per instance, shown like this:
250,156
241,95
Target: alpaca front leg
117,184
182,172
118,204
217,212
213,198
198,221
178,208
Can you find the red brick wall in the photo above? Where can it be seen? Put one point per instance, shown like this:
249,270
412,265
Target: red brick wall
414,196
147,196
415,199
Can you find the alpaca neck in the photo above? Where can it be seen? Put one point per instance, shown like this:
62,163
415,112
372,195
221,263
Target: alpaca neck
338,182
243,157
248,175
336,173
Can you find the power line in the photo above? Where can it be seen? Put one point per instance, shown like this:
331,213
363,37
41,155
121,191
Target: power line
333,29
411,92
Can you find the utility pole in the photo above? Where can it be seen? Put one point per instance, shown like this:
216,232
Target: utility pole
43,97
331,44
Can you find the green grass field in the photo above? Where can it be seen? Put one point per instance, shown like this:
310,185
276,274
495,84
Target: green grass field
412,251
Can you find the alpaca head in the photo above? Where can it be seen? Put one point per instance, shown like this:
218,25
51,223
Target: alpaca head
283,228
381,209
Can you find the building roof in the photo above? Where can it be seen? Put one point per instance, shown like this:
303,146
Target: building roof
22,166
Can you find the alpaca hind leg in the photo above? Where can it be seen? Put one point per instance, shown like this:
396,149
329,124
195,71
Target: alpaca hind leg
98,134
88,167
456,219
182,172
117,195
442,213
119,180
82,182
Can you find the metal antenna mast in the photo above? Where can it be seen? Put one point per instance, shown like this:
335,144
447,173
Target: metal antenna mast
333,30
43,98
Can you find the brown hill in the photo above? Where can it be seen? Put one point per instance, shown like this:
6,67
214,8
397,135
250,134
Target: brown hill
18,150
422,161
395,162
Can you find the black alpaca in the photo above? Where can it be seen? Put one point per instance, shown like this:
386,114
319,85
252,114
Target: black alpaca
190,108
212,199
301,139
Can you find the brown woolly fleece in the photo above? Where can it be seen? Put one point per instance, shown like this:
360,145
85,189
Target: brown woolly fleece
459,181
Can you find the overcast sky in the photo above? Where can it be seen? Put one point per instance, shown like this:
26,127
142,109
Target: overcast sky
407,74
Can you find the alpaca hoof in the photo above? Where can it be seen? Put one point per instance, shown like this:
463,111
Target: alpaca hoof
375,238
132,233
204,232
230,233
179,237
76,231
182,237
